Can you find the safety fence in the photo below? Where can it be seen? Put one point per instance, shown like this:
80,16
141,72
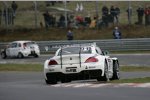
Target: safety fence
109,44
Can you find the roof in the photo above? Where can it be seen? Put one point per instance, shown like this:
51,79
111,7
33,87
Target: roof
21,41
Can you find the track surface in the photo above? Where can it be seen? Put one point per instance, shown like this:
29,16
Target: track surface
31,86
124,59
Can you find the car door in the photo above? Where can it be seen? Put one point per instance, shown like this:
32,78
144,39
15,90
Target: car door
13,49
8,50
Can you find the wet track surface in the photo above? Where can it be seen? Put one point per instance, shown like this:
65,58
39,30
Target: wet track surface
124,59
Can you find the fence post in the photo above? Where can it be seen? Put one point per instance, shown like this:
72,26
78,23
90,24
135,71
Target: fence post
96,8
66,22
129,11
35,9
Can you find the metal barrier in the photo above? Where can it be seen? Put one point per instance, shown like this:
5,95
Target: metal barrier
109,44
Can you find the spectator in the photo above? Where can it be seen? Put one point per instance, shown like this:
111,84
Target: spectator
87,20
70,35
105,10
79,21
53,20
71,22
147,16
14,6
50,20
61,22
140,13
117,13
105,20
129,14
116,33
93,23
112,13
0,16
46,19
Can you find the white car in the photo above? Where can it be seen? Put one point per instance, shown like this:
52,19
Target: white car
21,49
80,63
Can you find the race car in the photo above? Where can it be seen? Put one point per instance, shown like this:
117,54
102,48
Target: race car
80,62
21,49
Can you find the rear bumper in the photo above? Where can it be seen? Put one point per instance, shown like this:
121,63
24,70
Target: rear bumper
31,53
85,74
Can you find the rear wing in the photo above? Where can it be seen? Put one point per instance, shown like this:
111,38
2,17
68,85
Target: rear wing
81,48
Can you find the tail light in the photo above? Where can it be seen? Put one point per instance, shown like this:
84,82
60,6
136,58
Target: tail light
52,62
91,59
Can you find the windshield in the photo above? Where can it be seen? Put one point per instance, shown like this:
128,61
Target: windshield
75,50
28,43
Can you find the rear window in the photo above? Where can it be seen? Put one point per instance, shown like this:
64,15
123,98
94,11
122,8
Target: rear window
75,50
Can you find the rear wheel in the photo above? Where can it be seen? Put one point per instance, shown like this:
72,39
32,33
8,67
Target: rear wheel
65,80
36,56
51,81
116,74
106,74
3,55
20,55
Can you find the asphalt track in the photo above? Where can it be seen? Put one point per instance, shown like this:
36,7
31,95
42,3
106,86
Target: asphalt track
124,59
31,86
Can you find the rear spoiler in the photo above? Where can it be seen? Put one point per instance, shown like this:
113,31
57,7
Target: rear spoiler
76,45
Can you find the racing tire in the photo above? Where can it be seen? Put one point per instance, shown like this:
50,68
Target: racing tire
106,74
50,81
3,55
65,80
20,55
116,74
36,56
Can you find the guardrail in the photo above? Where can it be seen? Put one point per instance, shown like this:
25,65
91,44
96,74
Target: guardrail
109,44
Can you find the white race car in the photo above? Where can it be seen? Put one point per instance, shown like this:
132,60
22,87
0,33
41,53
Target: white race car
21,49
80,63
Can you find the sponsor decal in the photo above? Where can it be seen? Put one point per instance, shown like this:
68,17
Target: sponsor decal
51,70
90,67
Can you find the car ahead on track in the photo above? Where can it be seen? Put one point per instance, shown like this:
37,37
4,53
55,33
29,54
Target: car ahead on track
80,63
21,49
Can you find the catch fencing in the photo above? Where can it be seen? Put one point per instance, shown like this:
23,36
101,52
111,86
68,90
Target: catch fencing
109,44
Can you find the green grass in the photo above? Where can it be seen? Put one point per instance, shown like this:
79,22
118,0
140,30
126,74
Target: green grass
21,67
133,68
133,80
39,67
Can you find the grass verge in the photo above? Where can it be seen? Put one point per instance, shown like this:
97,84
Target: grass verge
21,67
134,80
133,69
